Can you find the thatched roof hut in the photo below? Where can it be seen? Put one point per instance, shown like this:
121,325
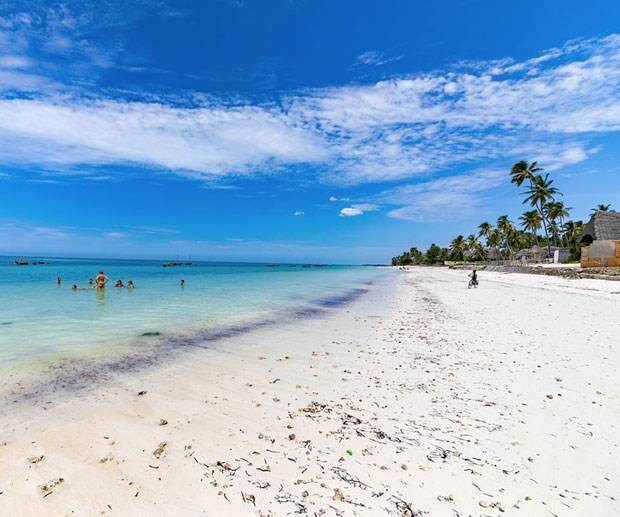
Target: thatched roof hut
493,253
603,226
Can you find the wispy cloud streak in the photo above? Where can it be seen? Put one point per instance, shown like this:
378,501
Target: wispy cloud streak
392,130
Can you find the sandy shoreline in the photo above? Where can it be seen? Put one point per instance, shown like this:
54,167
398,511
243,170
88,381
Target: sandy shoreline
419,398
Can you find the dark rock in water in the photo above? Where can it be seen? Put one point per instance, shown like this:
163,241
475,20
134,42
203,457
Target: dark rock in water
7,323
150,334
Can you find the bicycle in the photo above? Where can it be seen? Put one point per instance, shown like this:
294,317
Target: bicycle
472,283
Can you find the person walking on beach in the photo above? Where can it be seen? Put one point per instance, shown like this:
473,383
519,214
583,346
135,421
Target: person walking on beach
101,280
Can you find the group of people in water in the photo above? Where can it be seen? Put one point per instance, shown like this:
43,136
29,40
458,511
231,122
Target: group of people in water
101,280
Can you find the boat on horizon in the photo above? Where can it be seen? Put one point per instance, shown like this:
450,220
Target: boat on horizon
177,263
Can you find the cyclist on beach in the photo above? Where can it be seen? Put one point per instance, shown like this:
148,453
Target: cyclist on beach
474,277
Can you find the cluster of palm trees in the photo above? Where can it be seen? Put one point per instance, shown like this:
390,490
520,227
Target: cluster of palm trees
505,239
547,213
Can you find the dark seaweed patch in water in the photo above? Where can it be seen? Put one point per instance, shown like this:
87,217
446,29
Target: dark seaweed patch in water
77,376
7,323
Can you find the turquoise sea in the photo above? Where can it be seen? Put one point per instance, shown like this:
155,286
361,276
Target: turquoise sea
42,323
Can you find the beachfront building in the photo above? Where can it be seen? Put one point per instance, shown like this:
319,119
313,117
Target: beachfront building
602,236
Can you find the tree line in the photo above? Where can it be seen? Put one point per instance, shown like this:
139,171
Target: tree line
505,238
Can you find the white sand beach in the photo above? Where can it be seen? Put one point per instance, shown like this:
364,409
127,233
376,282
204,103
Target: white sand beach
420,398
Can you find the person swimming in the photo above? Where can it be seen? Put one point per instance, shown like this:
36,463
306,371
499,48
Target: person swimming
90,281
130,285
119,284
74,287
101,280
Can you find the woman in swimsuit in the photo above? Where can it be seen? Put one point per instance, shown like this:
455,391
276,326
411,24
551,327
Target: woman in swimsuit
101,280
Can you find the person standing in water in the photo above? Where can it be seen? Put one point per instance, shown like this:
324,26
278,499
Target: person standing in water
58,280
101,280
182,283
90,281
130,285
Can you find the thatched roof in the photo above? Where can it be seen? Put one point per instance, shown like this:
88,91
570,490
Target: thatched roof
602,226
493,253
533,251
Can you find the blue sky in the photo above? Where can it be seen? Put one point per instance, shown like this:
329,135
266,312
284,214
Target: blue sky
305,130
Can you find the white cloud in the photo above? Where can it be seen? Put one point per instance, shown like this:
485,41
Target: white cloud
366,207
350,212
444,199
115,235
375,58
204,141
298,212
10,61
46,232
546,107
333,198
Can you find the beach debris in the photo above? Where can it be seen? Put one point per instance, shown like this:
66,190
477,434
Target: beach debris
36,459
291,436
549,396
483,503
140,393
163,421
349,452
48,488
159,451
315,407
248,498
106,459
150,334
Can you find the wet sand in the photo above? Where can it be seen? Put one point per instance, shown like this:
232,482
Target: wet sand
419,398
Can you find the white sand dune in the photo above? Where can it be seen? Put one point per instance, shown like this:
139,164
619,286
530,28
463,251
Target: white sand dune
422,397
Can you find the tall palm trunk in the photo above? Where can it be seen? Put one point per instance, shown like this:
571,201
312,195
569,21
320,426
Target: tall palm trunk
544,219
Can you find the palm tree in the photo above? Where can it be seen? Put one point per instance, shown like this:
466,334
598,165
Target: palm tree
540,192
571,231
601,208
531,222
479,251
521,172
504,225
494,238
484,228
458,246
555,211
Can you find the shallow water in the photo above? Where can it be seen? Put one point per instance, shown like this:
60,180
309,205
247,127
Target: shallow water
42,323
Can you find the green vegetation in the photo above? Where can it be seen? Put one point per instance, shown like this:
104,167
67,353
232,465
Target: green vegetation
505,240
